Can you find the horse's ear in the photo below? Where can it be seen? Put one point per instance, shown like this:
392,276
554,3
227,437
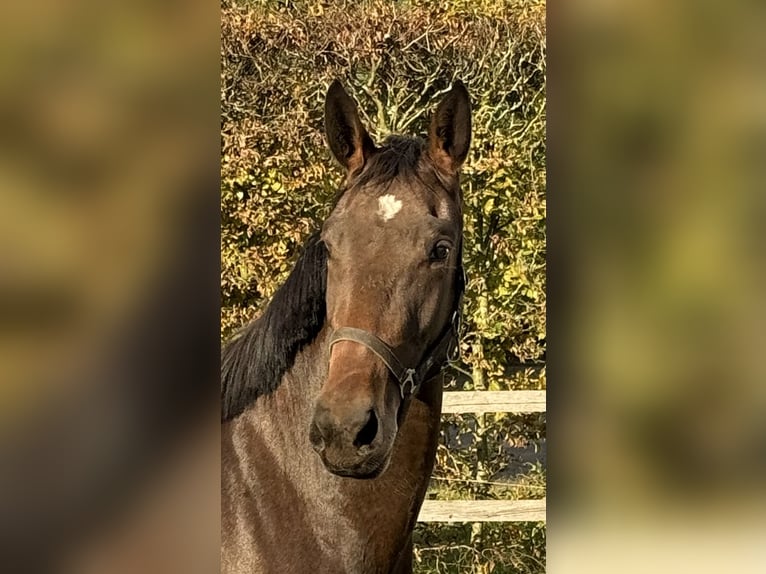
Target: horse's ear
450,135
348,140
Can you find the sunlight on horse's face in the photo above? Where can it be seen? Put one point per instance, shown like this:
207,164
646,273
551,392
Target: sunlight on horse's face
393,255
393,245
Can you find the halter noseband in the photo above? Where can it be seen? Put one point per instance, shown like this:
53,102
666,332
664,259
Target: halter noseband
411,378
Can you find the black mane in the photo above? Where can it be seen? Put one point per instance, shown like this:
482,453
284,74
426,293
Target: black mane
254,361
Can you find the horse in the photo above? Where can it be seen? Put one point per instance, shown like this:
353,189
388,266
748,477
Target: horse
331,400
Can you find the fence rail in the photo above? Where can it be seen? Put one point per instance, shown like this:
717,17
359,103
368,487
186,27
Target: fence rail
480,402
483,511
494,402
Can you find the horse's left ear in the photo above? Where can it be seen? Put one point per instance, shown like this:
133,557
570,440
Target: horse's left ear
450,135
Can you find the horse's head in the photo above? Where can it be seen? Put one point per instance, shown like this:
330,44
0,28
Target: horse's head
394,244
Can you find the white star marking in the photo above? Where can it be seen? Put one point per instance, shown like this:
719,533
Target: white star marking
388,206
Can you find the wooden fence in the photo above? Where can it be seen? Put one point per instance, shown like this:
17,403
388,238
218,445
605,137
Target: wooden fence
488,510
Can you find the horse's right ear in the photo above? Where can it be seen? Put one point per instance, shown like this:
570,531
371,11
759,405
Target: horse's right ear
348,140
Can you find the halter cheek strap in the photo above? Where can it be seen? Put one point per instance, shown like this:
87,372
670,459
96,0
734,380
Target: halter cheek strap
411,378
404,376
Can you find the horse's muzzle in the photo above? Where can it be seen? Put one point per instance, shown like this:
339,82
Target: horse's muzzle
353,446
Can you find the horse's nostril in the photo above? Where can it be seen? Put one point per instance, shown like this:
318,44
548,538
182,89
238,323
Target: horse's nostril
316,438
368,432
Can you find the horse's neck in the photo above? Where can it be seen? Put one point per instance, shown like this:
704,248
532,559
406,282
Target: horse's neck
281,420
290,409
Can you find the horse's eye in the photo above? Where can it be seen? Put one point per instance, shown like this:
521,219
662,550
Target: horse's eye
440,252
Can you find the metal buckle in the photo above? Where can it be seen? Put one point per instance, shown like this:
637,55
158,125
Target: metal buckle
409,379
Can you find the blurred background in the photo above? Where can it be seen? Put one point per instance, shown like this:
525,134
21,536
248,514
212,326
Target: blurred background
109,224
657,149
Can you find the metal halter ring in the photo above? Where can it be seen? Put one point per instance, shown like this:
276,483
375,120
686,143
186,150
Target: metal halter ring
409,379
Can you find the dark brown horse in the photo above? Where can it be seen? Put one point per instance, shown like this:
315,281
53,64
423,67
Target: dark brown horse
332,398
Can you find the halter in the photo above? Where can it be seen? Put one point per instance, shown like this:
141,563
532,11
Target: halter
440,353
